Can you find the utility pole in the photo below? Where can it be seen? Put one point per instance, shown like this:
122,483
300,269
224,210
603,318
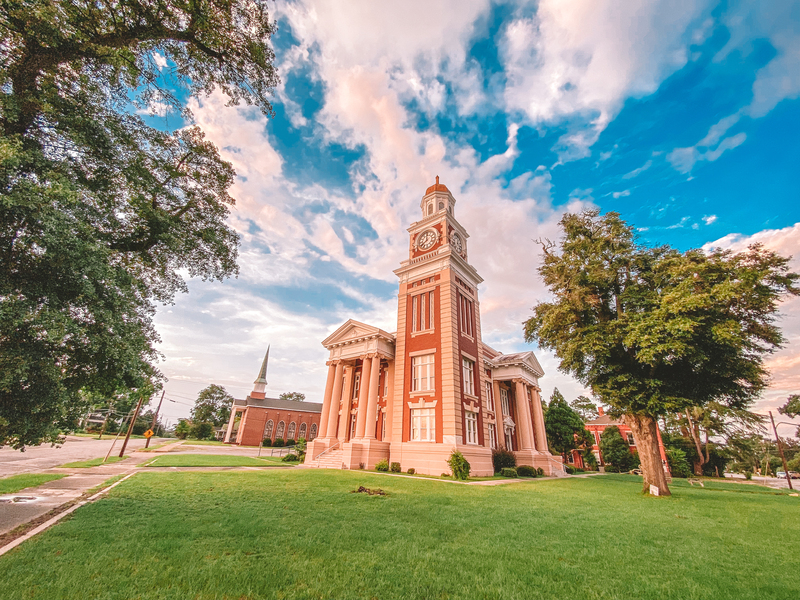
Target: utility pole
155,416
130,427
780,449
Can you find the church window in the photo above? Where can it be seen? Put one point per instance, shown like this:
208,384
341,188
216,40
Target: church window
423,425
302,432
472,427
468,368
492,436
504,401
422,368
489,396
292,429
313,433
281,428
441,205
268,429
430,208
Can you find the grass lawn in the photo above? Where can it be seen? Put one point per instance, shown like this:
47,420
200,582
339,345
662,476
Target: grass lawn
213,460
192,442
15,483
301,533
94,462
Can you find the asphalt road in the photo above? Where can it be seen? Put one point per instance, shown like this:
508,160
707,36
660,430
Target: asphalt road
39,458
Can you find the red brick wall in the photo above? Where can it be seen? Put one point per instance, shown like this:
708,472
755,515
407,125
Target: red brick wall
255,421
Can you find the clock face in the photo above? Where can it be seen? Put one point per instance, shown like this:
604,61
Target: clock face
456,243
426,239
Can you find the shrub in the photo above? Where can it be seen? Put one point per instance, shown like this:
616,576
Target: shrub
395,468
266,442
748,475
201,431
181,430
412,471
289,442
383,466
540,472
290,458
278,443
589,459
362,466
509,472
458,465
616,451
502,459
678,465
526,471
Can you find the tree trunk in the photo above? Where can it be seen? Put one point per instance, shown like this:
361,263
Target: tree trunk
695,434
645,434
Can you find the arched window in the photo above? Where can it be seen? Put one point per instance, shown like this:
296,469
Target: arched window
281,428
302,430
430,209
292,429
441,205
313,433
268,429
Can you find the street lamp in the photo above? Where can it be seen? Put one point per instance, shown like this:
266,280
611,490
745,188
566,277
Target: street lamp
780,449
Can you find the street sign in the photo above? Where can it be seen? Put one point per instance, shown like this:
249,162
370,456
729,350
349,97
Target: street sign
148,434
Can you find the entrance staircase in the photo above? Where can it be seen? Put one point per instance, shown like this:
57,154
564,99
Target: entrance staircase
330,459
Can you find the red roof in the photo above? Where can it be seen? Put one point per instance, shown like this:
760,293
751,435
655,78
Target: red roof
437,187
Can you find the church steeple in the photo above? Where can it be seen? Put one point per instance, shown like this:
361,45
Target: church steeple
261,382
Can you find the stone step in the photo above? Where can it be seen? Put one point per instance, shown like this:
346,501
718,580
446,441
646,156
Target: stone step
330,460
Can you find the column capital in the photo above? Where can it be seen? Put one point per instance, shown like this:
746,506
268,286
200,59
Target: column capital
332,363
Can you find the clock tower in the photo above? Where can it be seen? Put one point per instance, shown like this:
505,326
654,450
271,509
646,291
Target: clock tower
439,373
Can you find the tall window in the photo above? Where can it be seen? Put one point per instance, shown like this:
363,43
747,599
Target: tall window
352,426
422,311
292,429
385,383
509,439
492,436
465,308
268,429
302,432
489,396
383,427
313,432
422,368
356,385
423,425
281,428
468,368
472,427
504,401
630,439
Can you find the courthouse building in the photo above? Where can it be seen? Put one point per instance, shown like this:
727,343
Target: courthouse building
414,396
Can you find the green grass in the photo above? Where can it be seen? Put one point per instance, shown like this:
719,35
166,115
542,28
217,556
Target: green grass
15,483
301,533
94,462
213,460
191,442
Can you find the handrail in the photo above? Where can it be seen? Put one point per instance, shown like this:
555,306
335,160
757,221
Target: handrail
560,463
318,456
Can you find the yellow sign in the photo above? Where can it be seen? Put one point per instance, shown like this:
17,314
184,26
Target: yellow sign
149,433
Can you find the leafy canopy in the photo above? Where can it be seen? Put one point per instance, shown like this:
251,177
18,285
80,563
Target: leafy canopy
101,216
213,405
565,428
293,396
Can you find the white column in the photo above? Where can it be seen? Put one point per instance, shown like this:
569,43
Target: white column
230,424
336,398
372,399
363,396
525,424
326,400
538,419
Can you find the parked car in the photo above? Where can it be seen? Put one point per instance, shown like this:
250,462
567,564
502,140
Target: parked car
794,474
780,474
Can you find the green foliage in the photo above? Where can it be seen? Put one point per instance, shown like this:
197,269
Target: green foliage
266,442
291,457
411,471
458,465
278,442
289,442
509,472
201,431
565,428
300,448
526,471
182,429
589,459
503,458
382,465
395,467
293,396
585,407
678,465
539,472
792,406
615,451
101,214
213,405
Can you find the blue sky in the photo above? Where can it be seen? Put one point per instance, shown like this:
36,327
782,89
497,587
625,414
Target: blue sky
682,116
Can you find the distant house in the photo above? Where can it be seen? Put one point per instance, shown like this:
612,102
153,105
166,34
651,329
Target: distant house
596,427
257,417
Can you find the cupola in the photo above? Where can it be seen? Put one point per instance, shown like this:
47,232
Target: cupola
437,198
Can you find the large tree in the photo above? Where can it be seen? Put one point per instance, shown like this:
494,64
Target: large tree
101,216
213,405
654,331
564,427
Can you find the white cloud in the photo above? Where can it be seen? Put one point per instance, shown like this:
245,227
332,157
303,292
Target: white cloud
710,148
638,171
621,194
709,219
581,60
160,60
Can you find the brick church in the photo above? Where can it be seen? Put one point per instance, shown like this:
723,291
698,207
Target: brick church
432,386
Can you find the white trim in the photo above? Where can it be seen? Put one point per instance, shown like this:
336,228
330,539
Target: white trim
421,352
422,404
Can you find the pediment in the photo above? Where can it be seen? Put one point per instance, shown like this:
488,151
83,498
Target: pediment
352,331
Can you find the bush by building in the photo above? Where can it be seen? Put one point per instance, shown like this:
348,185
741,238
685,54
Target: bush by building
395,467
383,466
526,471
509,472
503,459
458,465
